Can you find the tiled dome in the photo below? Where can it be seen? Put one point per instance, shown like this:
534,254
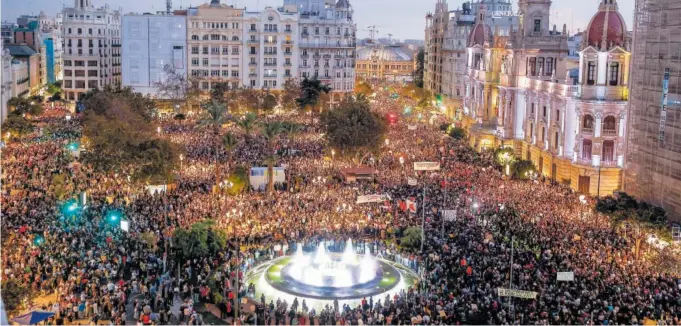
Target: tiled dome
606,23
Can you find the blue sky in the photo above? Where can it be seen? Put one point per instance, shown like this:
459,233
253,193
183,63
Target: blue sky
402,18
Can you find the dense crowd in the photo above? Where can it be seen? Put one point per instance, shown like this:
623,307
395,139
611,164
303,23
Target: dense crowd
505,233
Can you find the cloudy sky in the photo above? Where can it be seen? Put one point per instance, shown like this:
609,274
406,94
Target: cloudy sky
402,18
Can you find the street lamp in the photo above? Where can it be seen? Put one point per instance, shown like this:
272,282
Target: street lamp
333,154
582,200
387,142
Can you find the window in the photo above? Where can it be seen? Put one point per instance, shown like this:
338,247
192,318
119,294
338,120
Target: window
586,149
609,126
68,73
532,108
537,25
205,62
533,66
614,73
588,123
195,50
205,37
92,84
540,64
544,111
92,73
92,63
79,73
608,151
591,73
557,115
549,66
195,61
205,50
235,73
555,140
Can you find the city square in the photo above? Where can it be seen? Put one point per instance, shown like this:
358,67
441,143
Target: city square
346,194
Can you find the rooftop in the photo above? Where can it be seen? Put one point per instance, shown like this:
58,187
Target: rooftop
20,50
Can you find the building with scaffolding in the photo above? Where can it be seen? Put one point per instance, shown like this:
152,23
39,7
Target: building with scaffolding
653,161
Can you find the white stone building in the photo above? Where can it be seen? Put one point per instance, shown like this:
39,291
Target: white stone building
272,51
91,48
215,44
6,85
327,42
150,44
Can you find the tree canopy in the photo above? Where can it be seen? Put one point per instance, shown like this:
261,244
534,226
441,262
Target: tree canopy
420,63
202,239
311,92
121,137
25,106
17,125
352,127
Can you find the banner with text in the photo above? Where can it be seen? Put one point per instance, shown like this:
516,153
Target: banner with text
517,293
372,199
565,276
449,215
427,166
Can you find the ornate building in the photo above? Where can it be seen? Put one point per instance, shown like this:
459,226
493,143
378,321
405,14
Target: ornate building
519,94
392,62
92,41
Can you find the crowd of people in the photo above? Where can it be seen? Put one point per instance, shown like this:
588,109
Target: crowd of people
504,233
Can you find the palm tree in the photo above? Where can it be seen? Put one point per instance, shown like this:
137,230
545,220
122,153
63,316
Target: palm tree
270,131
247,123
230,142
311,90
215,118
292,129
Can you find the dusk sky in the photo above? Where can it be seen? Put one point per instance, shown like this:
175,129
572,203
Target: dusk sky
402,18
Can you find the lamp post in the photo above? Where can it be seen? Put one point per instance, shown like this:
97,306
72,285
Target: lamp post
333,154
582,200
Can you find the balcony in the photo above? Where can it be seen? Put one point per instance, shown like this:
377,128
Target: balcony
270,75
252,63
252,75
252,41
287,64
584,161
270,53
270,41
288,53
288,30
287,42
271,30
587,131
304,56
327,45
305,34
287,75
270,64
609,132
252,30
609,164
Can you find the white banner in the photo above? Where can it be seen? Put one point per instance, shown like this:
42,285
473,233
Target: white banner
565,276
517,293
449,215
411,127
372,199
427,166
412,181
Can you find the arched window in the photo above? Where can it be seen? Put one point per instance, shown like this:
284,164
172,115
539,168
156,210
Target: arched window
588,123
195,37
586,149
205,37
609,125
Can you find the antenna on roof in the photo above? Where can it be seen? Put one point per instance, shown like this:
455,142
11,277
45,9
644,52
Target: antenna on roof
169,6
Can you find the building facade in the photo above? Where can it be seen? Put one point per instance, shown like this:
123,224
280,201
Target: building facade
31,58
447,34
92,41
653,161
20,78
7,32
152,45
215,43
327,35
6,85
272,48
391,62
519,94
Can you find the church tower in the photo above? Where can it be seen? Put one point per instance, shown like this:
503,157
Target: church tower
534,17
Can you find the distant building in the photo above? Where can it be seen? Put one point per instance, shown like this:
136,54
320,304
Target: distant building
6,84
7,32
24,53
91,48
150,45
20,86
327,43
381,62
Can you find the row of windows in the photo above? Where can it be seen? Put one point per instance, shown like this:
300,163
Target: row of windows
80,63
215,50
80,73
327,31
613,73
90,31
393,67
214,73
214,37
80,83
215,25
536,65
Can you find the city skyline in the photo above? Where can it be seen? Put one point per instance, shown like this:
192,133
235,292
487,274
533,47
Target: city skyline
406,21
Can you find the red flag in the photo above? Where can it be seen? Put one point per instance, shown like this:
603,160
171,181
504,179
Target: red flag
402,205
411,204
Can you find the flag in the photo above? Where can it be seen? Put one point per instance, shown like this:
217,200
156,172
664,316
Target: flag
402,204
411,204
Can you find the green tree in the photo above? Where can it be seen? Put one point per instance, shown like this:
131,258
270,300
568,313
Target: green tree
411,237
363,88
202,239
247,123
291,129
457,133
13,294
417,75
352,128
229,142
215,117
289,94
17,125
238,178
521,169
271,131
269,102
59,186
122,139
504,156
311,92
22,106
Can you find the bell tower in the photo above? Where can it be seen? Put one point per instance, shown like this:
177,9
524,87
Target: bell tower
534,16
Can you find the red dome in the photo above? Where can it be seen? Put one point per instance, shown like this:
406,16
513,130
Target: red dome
479,35
616,30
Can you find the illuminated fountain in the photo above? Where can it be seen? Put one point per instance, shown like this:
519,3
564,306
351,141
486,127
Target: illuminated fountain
328,275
